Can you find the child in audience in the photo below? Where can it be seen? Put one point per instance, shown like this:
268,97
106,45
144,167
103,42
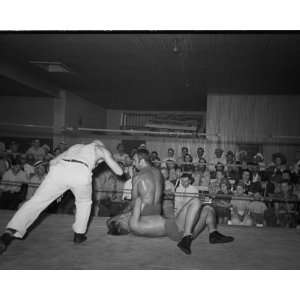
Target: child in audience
240,213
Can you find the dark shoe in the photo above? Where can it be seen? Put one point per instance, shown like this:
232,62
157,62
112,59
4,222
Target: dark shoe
5,240
79,238
185,244
217,238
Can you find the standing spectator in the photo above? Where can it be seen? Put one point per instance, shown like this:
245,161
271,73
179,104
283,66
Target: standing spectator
240,213
171,155
180,159
13,186
121,156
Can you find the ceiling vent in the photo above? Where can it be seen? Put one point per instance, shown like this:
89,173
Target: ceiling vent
52,66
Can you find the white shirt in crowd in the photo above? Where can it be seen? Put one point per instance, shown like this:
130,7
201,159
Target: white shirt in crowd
16,179
183,195
29,170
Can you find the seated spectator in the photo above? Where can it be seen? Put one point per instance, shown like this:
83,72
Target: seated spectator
171,166
218,158
246,180
205,181
13,151
26,167
48,155
222,202
218,167
155,160
187,165
36,179
4,163
257,207
171,155
185,191
168,198
240,213
56,151
230,168
286,212
215,184
259,160
2,147
200,155
180,159
277,166
121,156
104,191
36,150
13,186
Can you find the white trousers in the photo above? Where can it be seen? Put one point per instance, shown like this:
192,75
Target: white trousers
61,177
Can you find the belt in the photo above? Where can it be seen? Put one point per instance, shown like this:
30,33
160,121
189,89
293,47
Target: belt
77,161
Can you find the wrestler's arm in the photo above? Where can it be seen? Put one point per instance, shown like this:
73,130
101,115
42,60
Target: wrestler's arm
108,158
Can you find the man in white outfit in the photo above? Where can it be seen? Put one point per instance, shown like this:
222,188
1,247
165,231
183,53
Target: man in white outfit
72,170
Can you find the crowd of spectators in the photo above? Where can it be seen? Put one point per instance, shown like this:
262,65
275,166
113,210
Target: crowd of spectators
244,191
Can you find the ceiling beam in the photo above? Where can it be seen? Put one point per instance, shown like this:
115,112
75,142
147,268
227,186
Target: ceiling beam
25,75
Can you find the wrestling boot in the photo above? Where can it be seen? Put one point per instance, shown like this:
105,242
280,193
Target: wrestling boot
79,238
5,239
185,244
218,238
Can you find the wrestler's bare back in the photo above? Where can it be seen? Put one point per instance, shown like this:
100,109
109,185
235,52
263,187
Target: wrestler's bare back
147,185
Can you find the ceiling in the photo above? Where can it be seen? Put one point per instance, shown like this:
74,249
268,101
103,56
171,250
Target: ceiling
161,71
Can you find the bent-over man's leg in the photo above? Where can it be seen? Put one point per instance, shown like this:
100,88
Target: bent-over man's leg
83,202
49,190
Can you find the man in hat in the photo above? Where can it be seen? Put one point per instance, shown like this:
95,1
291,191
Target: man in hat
70,170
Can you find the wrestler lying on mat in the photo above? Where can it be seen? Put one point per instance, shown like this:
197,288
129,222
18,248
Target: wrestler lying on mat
144,218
